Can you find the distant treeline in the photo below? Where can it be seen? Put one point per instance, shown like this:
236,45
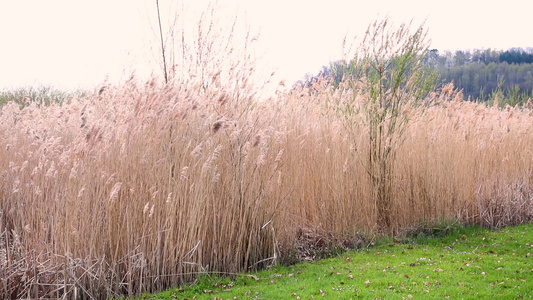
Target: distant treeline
482,74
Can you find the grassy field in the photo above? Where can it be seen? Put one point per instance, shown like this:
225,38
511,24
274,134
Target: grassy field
462,263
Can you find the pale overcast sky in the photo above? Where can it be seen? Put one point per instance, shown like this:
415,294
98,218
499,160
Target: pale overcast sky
73,43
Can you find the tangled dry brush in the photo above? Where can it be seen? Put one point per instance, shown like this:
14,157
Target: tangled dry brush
142,187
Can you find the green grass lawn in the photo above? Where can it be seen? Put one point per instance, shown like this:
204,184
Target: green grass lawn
468,263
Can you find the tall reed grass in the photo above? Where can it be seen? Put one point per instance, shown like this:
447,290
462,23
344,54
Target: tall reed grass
140,187
144,187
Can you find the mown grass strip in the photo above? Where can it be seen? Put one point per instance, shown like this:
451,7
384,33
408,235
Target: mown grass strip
469,263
